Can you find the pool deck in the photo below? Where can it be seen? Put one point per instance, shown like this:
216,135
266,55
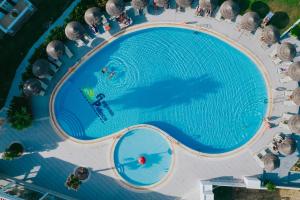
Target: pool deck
50,158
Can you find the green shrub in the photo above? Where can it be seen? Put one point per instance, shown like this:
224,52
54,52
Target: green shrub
19,113
270,186
73,182
57,33
13,151
296,31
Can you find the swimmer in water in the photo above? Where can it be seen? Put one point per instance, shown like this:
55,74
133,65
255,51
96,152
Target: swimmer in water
112,74
104,70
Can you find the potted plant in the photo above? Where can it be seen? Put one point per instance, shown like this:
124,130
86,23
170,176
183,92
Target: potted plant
73,182
270,185
14,13
82,173
14,150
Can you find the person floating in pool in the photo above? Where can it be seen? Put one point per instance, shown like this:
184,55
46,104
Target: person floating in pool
104,70
111,75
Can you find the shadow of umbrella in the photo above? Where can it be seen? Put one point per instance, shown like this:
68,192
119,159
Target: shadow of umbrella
260,8
280,20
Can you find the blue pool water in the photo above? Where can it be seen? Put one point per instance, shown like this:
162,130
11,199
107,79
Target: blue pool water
149,144
200,90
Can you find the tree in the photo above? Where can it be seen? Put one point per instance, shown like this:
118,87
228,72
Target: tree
19,113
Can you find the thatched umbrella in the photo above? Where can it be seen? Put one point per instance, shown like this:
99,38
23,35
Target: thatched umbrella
115,7
229,9
55,49
93,16
162,3
250,21
184,3
296,96
271,162
208,4
294,71
74,31
294,123
41,68
286,51
287,146
32,87
139,4
270,35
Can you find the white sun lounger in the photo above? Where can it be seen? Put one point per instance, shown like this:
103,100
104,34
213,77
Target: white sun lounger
68,52
289,103
42,93
273,54
54,68
258,157
282,70
288,93
277,60
80,43
218,16
44,85
57,62
286,79
285,117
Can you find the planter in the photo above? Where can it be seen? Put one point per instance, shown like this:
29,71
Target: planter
73,182
15,150
14,13
82,173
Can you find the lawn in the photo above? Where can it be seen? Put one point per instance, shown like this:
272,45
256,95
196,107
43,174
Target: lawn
13,49
286,11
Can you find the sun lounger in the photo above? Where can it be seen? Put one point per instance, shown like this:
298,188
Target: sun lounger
80,43
282,70
277,61
218,16
289,103
283,121
42,93
288,93
279,137
44,85
274,53
258,157
68,52
286,79
53,68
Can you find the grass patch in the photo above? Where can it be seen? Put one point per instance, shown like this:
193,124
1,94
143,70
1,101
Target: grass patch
13,49
286,12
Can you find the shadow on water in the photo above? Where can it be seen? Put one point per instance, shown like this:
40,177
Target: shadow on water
184,138
165,93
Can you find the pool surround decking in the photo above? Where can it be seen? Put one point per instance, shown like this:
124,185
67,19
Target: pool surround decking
131,29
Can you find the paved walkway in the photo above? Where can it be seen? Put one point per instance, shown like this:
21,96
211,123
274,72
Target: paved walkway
50,158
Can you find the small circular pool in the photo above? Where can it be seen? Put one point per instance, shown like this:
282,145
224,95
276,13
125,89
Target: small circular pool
201,90
148,144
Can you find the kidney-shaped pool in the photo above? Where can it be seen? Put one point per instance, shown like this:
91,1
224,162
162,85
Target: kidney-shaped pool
202,91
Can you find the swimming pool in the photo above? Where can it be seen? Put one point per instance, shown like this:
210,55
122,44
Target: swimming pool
199,89
146,142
